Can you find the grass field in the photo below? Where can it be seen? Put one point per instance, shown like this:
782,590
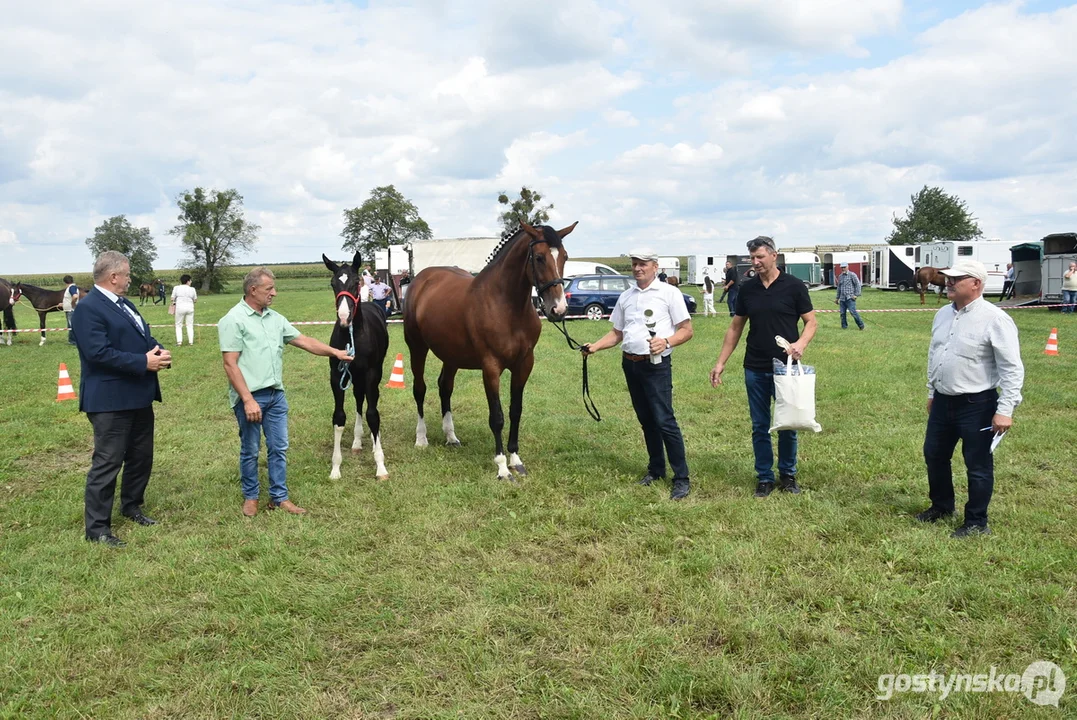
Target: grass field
575,593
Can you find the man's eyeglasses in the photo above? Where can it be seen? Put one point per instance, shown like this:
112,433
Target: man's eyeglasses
950,282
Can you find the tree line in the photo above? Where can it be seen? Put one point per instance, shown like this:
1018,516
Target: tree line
213,230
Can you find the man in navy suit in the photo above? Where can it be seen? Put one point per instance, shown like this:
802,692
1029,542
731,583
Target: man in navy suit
117,387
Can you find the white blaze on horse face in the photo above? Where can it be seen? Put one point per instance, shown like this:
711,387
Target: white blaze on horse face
342,312
343,279
555,253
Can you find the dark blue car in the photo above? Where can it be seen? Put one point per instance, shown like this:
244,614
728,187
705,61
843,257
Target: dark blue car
594,296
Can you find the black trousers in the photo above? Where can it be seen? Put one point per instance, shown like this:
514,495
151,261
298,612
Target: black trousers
964,418
121,439
651,389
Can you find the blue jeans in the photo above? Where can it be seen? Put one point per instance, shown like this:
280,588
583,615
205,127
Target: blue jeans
275,426
760,387
651,389
731,299
70,335
1069,298
953,418
850,305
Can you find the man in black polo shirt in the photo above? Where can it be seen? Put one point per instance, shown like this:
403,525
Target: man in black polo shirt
773,301
730,287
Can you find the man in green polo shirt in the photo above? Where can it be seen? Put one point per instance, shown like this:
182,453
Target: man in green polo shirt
252,340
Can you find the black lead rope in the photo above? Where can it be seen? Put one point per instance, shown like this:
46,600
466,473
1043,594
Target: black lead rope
588,403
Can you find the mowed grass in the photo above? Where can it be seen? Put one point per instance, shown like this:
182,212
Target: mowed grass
574,593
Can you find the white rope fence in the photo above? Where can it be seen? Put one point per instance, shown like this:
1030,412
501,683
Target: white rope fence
394,321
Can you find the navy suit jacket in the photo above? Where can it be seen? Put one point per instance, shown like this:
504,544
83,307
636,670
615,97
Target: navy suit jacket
112,352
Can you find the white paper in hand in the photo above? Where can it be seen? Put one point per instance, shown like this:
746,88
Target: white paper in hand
996,440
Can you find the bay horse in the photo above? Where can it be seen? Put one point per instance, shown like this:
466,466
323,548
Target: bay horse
147,290
362,326
44,302
8,297
487,323
928,275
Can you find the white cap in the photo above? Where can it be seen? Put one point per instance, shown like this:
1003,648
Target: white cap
845,264
644,254
967,268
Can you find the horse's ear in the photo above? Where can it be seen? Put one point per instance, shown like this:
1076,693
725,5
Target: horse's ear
333,267
356,262
565,231
533,232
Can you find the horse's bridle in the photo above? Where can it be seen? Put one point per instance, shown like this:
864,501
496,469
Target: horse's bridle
534,269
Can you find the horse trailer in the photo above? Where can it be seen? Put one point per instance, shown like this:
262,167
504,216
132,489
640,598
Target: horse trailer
994,254
1059,250
856,259
892,267
671,266
803,265
1027,259
700,266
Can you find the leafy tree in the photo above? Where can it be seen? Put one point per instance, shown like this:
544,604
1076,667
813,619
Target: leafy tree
137,244
526,208
934,216
387,218
213,230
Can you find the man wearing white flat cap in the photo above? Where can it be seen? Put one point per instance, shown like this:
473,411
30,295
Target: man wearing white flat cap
651,319
974,378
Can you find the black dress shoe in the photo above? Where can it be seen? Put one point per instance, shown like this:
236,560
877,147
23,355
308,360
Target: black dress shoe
648,479
932,514
141,519
788,483
680,489
110,540
968,530
763,489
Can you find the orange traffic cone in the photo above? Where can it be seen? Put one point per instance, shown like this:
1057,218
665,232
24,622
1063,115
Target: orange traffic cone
396,379
1052,343
64,391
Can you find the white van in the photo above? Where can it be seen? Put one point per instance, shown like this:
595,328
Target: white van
587,267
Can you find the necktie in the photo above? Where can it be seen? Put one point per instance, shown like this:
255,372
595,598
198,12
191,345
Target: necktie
138,323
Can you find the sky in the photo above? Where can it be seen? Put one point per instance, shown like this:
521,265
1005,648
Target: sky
688,126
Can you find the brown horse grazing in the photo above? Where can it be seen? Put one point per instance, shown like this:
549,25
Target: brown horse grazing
8,297
929,276
486,323
147,290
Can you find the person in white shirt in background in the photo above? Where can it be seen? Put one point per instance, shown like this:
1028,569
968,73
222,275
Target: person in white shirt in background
974,353
651,318
184,296
708,296
1069,288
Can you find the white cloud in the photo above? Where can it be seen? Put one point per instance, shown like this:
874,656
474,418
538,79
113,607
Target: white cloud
620,119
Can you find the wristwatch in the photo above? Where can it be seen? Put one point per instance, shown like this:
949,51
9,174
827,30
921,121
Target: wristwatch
669,345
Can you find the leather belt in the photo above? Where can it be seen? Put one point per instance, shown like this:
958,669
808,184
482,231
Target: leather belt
635,358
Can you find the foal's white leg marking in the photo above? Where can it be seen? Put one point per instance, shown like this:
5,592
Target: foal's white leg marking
42,340
449,429
357,443
420,433
515,460
379,457
334,474
502,468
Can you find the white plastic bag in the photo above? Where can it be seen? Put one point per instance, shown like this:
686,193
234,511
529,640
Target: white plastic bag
794,399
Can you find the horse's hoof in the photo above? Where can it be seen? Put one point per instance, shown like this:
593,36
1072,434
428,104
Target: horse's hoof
421,443
520,470
383,477
334,475
356,450
452,443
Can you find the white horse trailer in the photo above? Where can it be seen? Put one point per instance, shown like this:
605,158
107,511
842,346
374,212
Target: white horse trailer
893,267
671,266
700,266
994,254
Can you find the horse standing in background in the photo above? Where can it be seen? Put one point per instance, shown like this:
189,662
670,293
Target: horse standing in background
8,297
147,290
362,326
487,323
926,276
44,302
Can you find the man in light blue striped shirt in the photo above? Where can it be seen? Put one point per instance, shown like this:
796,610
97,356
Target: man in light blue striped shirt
974,379
849,289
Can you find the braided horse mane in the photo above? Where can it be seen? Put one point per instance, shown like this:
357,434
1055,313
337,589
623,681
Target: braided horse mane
508,237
